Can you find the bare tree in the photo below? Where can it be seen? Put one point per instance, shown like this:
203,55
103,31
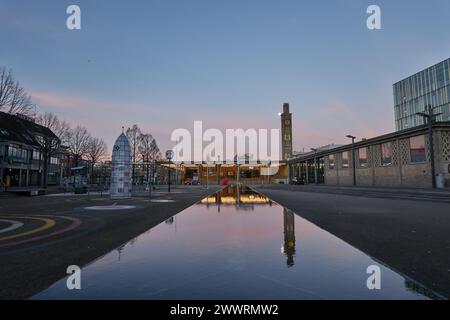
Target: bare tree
49,146
59,127
155,153
77,142
20,101
6,85
133,135
13,97
96,150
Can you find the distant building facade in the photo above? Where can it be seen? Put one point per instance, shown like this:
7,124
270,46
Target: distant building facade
21,159
121,169
427,87
286,133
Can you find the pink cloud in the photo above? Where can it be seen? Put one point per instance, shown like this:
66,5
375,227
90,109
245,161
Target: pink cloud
104,118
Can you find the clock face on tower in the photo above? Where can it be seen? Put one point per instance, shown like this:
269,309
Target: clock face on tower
286,129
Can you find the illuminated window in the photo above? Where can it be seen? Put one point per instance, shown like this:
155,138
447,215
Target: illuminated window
331,161
362,155
386,154
345,162
417,149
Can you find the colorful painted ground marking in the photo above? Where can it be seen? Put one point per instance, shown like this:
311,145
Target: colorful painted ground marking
48,224
13,225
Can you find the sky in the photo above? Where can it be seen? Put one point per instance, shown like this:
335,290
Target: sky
162,64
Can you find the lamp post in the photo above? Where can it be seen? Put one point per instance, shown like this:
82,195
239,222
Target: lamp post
315,164
169,156
429,117
207,172
218,170
353,157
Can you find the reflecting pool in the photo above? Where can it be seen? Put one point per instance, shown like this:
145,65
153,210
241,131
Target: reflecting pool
236,244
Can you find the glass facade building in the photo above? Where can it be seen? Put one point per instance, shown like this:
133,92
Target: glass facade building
427,87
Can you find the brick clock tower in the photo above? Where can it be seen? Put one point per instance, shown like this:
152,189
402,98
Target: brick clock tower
286,132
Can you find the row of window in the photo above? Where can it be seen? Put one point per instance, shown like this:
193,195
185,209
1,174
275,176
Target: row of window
417,154
25,154
423,82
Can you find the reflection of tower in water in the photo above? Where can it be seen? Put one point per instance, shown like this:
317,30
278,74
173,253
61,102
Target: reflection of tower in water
289,236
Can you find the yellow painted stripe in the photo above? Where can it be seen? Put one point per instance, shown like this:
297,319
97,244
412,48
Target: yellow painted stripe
48,223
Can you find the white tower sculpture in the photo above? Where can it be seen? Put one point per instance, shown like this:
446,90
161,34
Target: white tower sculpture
121,169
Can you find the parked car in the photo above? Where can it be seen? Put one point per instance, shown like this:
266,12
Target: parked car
297,181
190,182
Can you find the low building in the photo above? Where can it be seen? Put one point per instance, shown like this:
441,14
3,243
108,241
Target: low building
225,173
21,160
399,159
429,87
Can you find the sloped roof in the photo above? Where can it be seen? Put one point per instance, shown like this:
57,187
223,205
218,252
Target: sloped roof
17,129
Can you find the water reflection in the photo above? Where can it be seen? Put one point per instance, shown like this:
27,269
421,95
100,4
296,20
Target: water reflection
170,220
242,198
234,253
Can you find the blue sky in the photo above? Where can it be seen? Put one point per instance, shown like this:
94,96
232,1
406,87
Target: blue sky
163,64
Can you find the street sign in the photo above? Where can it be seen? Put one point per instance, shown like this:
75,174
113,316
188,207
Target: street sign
169,154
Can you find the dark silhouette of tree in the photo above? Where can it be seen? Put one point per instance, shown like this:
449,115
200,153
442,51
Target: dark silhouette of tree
96,150
77,142
13,97
133,135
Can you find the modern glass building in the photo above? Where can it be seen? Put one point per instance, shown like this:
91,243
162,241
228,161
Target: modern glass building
427,87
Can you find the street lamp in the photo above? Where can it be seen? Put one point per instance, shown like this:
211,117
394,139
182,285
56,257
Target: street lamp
207,172
353,157
218,170
429,117
169,156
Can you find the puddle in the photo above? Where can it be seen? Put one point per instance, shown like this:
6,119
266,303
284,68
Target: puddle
236,244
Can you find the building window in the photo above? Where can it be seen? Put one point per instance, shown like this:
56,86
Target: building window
386,154
54,160
417,148
331,161
362,155
287,122
287,137
15,152
344,157
36,155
